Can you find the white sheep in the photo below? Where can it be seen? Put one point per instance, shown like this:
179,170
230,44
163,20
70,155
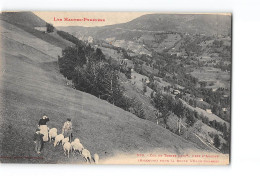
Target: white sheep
77,147
86,155
67,148
58,139
72,144
52,134
77,140
65,140
96,158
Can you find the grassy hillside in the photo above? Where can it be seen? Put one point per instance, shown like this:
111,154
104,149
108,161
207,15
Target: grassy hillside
31,86
23,18
26,21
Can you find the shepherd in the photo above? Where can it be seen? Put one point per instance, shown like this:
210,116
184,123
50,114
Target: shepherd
43,127
67,129
37,138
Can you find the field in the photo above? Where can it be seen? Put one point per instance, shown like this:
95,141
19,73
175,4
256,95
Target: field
213,75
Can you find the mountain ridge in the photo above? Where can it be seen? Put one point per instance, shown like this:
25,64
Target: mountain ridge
206,24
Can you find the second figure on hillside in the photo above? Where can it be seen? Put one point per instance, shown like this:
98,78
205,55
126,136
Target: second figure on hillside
67,129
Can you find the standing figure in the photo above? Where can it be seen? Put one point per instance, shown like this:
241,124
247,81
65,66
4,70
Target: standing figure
37,138
43,127
67,129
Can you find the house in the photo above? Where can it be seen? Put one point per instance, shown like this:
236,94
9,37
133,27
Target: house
224,109
90,39
176,92
214,89
199,99
43,29
176,86
208,111
225,96
179,54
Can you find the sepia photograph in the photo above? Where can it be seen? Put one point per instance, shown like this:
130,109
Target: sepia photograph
131,88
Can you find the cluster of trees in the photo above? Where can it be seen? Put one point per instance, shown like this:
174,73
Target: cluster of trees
167,104
91,72
216,100
70,38
195,103
222,127
223,67
223,51
49,27
136,108
224,147
218,126
125,69
217,43
191,44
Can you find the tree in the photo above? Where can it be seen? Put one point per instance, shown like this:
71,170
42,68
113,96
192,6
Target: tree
144,88
137,108
50,27
128,73
100,55
225,148
191,102
158,101
152,95
190,118
216,141
158,116
178,109
225,132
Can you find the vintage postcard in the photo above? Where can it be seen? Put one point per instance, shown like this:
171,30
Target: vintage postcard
115,88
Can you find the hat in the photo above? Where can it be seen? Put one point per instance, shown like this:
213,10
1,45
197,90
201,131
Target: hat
68,119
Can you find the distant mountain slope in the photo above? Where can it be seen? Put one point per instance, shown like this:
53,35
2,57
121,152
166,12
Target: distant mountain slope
185,23
31,85
189,23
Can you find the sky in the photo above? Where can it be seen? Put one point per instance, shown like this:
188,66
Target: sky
109,17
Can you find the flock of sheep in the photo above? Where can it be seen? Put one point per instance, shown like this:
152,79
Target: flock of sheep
74,146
